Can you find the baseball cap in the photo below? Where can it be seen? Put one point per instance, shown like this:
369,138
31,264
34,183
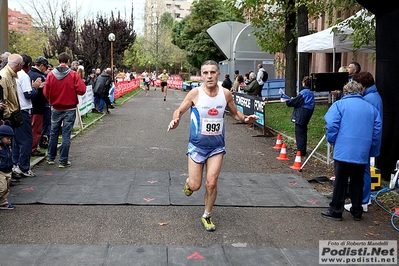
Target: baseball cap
42,61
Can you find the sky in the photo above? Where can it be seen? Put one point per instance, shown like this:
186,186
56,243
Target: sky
90,8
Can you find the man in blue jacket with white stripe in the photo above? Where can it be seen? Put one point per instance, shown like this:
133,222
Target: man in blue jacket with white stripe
354,130
371,95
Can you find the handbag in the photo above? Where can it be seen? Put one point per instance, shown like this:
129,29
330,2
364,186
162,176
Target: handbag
16,119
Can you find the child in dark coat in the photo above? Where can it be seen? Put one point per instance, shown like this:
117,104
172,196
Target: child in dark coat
6,134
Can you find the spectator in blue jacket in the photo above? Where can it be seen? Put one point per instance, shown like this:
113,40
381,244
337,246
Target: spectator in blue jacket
371,95
354,130
303,105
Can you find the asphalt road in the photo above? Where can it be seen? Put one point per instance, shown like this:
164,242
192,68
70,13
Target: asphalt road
134,137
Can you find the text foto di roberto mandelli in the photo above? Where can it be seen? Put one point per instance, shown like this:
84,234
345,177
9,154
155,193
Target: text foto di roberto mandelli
362,252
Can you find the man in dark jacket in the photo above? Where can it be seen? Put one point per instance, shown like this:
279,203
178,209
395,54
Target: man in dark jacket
38,103
303,105
102,87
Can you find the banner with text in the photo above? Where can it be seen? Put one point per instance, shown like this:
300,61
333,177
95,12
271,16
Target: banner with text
249,105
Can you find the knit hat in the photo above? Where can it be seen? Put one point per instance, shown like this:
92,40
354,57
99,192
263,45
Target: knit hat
6,131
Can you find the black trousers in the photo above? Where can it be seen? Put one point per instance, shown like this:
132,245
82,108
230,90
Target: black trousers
301,137
107,102
343,172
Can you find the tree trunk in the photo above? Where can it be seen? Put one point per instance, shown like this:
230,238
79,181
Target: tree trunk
303,30
290,52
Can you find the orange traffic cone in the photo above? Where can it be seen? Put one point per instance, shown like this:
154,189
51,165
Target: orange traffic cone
283,153
278,143
298,162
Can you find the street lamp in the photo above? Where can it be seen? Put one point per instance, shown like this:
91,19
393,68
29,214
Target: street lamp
111,38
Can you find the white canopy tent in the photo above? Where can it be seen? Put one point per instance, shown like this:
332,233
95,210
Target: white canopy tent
327,41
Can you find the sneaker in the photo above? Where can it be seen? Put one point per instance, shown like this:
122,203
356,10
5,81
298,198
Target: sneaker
37,153
28,173
356,218
7,206
111,107
349,206
44,142
327,214
187,190
64,164
50,162
207,222
16,176
43,146
14,182
16,170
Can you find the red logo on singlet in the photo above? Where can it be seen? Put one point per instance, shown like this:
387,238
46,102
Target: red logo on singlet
213,112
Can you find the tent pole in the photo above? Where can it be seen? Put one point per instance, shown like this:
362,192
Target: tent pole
297,80
333,59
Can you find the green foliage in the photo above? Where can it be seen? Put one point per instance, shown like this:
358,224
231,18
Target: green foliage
190,34
155,48
27,43
166,20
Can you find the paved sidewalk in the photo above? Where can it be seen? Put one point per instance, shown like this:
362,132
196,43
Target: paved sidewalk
121,201
120,255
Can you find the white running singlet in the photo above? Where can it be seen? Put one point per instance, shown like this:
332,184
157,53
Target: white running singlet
206,127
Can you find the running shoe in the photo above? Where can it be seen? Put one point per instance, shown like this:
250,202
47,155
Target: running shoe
50,162
207,222
187,190
7,206
16,170
64,164
28,173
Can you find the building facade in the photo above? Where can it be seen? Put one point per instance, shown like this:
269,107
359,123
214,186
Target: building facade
155,8
18,21
178,9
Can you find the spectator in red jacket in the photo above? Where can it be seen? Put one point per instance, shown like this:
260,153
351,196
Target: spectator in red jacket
62,89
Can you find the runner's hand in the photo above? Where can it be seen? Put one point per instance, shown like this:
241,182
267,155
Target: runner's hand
251,118
173,124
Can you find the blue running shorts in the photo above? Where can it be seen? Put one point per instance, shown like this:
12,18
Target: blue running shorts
200,155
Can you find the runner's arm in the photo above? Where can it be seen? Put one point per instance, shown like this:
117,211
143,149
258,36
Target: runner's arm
184,106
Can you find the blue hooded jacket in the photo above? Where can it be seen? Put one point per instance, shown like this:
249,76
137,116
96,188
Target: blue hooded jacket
354,129
303,105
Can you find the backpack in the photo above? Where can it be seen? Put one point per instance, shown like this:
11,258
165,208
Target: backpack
265,76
